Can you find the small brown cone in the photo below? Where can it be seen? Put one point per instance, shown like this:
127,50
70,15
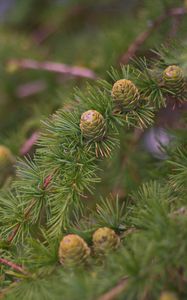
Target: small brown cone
93,125
105,239
73,250
173,79
125,94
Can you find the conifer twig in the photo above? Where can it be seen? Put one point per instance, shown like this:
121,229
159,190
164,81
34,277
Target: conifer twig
52,67
47,181
17,227
12,265
142,37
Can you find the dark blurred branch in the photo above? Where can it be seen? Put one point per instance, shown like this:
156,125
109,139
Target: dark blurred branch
175,24
12,265
115,291
28,144
143,36
31,88
52,67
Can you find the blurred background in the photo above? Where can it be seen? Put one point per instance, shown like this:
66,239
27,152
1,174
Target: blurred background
48,47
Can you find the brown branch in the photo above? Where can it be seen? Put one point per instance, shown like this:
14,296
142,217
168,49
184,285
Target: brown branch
175,23
143,36
128,232
47,181
51,67
115,291
28,144
31,88
13,265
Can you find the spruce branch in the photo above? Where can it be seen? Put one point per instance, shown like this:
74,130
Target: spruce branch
17,227
73,159
51,192
27,212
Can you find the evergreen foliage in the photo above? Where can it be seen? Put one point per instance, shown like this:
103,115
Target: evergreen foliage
89,214
50,198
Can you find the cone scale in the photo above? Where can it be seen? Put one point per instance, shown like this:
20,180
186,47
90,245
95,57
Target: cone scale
92,125
173,79
125,94
104,240
73,250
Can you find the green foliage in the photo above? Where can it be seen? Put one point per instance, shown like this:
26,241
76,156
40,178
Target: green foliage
110,212
52,192
57,191
178,178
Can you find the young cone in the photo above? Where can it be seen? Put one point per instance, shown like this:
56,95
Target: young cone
93,125
168,296
125,94
104,240
6,164
73,250
6,157
174,80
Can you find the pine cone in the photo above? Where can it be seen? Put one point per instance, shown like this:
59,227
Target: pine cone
174,80
73,250
168,296
92,125
125,94
6,157
104,240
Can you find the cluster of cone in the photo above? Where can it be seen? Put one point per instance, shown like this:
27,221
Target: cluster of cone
126,97
73,250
